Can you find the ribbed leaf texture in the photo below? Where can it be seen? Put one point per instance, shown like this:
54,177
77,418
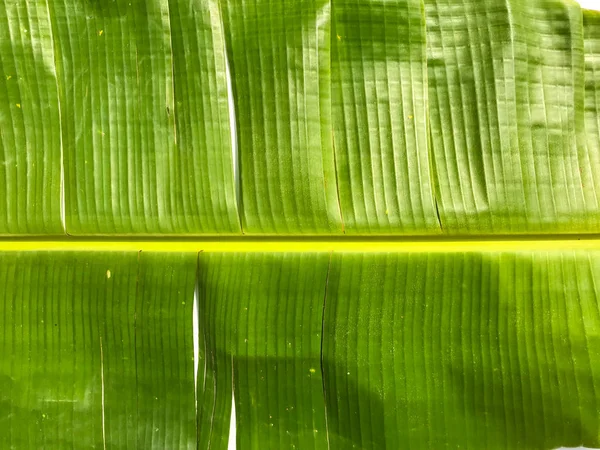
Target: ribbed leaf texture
97,350
507,117
262,315
379,77
299,117
30,126
486,350
305,117
495,350
123,118
280,65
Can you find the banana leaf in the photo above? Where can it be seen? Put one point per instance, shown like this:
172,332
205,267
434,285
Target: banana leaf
176,118
261,316
463,350
469,350
279,55
30,124
379,79
480,349
97,350
507,117
404,117
145,125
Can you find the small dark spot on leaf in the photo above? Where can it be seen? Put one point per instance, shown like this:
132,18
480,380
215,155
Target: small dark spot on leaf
168,111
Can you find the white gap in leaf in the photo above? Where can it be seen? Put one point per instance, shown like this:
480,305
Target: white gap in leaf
595,5
63,213
233,130
196,334
324,16
231,445
52,69
576,448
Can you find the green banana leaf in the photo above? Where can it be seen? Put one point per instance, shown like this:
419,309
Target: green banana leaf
30,124
97,350
480,350
138,102
217,118
379,78
261,315
283,123
483,349
507,117
303,117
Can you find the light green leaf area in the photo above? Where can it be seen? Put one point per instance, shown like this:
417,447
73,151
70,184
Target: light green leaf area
371,117
379,82
476,350
279,55
506,102
82,339
163,325
261,318
125,171
206,198
30,142
591,36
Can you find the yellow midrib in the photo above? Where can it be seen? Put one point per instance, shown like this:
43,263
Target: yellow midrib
306,245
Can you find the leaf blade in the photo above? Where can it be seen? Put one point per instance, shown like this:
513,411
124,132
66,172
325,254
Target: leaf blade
379,84
287,171
486,349
508,138
30,142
